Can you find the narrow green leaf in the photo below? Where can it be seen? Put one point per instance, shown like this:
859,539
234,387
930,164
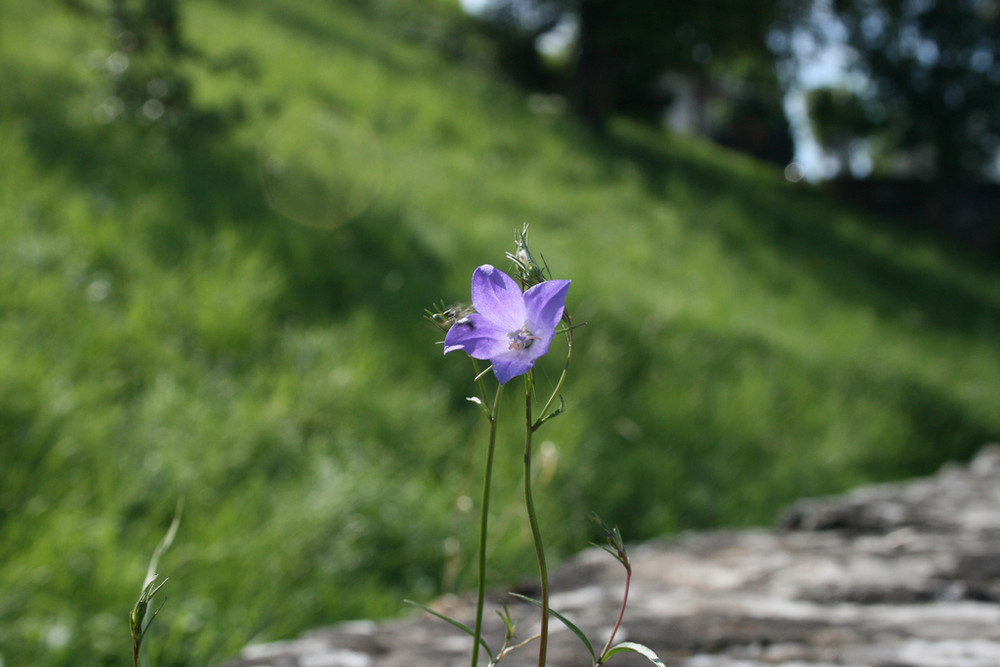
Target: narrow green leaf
632,647
461,626
565,621
508,622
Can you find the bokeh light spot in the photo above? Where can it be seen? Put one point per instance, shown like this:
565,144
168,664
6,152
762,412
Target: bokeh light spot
319,167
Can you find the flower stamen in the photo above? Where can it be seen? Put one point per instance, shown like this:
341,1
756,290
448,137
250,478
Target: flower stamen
521,339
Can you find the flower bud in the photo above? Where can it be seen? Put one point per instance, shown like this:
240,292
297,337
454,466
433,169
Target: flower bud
529,271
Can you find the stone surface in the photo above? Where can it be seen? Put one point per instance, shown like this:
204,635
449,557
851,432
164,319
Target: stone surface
895,575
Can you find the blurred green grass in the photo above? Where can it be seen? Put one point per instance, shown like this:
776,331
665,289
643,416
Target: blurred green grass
166,332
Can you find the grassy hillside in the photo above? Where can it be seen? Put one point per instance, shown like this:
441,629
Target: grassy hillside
228,308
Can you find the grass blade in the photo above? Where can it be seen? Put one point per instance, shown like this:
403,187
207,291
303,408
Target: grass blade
565,621
632,647
458,624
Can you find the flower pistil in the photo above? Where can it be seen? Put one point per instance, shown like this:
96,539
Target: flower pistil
521,339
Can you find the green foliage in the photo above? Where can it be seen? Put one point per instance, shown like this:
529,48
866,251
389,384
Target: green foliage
933,78
167,333
621,50
837,118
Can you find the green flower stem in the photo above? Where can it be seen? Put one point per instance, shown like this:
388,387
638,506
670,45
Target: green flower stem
533,521
530,428
484,524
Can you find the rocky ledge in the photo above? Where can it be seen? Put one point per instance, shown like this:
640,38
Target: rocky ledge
894,575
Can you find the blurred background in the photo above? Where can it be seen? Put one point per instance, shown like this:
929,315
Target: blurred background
221,222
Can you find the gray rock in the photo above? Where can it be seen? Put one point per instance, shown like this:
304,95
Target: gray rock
894,575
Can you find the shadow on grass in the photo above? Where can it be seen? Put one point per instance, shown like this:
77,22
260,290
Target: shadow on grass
811,240
200,181
744,435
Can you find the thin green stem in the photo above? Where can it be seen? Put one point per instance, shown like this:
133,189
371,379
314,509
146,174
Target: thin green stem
533,521
544,414
484,525
621,615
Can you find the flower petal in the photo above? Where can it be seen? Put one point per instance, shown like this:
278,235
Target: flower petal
544,304
498,298
477,337
511,365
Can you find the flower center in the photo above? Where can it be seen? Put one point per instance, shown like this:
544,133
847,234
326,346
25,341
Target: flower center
521,339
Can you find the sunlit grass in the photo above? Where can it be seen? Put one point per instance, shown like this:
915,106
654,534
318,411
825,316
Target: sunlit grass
167,333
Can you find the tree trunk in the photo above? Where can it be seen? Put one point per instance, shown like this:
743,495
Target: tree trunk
594,77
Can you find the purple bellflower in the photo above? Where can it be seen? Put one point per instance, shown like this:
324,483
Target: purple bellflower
509,328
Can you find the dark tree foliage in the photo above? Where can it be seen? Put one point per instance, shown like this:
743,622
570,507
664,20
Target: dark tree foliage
516,35
624,47
838,117
934,67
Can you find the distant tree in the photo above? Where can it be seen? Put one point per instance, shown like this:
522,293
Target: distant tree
624,47
516,37
934,71
838,119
